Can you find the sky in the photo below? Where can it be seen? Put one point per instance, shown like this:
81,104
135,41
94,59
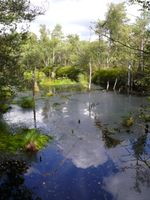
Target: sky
75,16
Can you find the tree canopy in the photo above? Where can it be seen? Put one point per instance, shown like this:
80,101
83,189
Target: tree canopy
14,18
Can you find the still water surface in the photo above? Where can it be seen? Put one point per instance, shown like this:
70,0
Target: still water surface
83,163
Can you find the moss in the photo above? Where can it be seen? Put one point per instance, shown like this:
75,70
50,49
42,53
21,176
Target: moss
21,141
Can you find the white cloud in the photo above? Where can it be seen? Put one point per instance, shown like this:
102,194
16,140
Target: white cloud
75,16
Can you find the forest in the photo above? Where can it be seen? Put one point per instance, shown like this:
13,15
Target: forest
74,114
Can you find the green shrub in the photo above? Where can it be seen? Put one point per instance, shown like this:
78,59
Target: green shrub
69,72
103,75
141,81
26,102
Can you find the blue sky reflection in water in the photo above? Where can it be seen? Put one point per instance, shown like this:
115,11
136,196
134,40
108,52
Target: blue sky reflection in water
81,163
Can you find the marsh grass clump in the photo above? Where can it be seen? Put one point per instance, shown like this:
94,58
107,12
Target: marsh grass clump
26,102
4,107
49,94
144,117
128,121
27,140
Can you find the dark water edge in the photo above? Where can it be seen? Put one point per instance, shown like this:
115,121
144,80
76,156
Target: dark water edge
82,163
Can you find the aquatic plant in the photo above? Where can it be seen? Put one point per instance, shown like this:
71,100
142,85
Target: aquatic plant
49,94
110,142
128,121
144,117
27,140
4,107
26,102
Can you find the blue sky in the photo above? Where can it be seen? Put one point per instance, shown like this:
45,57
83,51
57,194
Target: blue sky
75,16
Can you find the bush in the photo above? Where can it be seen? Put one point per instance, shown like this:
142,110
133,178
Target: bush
69,72
103,75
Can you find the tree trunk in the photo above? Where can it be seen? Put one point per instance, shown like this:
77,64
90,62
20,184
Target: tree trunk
141,59
90,74
115,84
107,88
33,96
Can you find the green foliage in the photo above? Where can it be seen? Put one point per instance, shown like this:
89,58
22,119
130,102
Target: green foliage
6,93
26,102
28,76
69,72
13,14
19,141
103,75
115,19
142,81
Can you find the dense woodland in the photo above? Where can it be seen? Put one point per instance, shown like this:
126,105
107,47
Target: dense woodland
121,49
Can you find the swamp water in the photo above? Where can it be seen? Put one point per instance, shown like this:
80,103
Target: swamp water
92,157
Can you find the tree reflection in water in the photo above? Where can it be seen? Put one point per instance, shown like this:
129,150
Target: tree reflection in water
142,175
12,181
